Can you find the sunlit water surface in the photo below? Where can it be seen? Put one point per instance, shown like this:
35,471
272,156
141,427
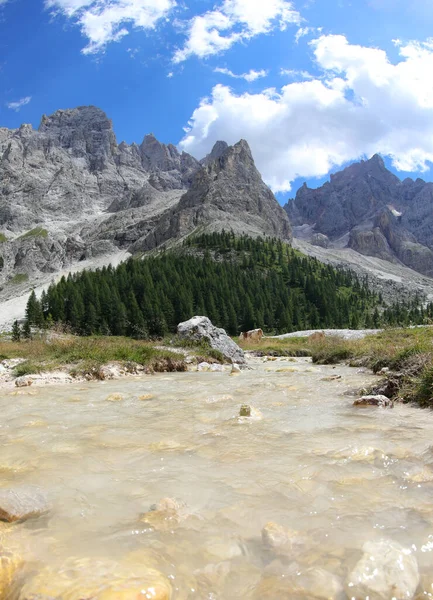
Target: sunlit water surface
336,474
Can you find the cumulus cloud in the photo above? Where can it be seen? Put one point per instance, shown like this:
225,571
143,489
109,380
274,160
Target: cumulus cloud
18,104
105,21
361,104
234,20
251,76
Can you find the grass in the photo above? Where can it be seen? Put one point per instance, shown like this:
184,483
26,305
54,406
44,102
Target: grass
19,278
84,356
36,232
3,238
408,353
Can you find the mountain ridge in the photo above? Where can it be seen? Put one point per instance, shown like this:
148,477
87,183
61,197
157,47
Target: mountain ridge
369,209
69,193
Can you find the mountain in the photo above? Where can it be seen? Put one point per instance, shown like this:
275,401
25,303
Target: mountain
69,193
367,208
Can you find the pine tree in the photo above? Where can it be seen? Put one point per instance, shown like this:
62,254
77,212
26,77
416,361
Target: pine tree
27,331
16,332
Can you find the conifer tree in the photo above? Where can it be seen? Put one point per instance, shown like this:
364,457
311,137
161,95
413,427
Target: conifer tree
16,332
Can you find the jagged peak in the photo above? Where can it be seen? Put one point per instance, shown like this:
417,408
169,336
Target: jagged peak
217,151
83,116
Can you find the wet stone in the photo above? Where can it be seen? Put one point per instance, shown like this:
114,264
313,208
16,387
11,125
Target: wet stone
378,400
90,579
20,504
387,570
245,411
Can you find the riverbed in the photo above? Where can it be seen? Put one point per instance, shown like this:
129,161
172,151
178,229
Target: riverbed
330,475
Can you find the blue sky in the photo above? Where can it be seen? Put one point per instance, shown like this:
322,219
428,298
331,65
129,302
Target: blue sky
312,85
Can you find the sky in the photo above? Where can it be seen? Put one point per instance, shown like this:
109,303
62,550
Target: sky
312,85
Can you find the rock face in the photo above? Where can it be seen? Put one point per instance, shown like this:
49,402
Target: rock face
226,193
19,504
369,209
69,193
387,570
201,328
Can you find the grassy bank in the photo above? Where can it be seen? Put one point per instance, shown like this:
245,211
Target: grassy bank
84,356
407,353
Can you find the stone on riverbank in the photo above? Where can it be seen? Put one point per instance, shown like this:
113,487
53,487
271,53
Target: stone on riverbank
377,400
20,504
201,328
23,381
387,570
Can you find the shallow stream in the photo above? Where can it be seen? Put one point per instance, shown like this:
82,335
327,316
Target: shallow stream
334,475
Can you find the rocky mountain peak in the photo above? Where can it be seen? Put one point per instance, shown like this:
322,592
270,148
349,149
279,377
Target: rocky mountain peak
227,193
218,150
85,131
90,117
369,206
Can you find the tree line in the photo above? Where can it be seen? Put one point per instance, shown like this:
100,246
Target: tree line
240,283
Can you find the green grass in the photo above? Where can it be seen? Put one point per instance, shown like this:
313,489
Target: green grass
19,278
84,356
408,352
36,232
3,238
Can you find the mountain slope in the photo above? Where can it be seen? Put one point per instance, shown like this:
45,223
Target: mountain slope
70,193
367,208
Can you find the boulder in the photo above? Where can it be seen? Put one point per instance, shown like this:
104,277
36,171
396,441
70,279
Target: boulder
386,571
203,366
201,329
79,579
22,503
378,400
255,335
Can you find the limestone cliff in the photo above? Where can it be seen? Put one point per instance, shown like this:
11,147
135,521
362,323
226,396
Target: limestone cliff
369,209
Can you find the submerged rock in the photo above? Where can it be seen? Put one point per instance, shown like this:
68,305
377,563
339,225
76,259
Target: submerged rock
19,504
165,515
10,563
314,583
279,540
386,571
79,579
201,328
378,400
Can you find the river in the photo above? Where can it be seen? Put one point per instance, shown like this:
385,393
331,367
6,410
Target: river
333,475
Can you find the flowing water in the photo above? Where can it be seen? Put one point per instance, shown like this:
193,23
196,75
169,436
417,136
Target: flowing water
335,475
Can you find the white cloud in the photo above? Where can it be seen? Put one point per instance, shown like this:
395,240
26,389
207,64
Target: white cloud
17,105
295,74
251,76
303,31
105,21
233,21
362,104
